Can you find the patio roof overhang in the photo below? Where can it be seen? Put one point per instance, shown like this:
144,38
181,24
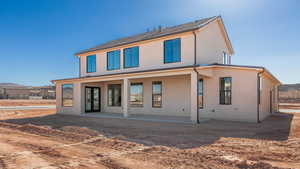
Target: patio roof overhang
203,70
131,75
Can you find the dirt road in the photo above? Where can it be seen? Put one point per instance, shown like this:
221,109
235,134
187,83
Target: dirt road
41,139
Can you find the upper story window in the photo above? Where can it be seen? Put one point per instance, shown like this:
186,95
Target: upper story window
91,63
226,58
113,60
225,90
172,51
131,57
67,95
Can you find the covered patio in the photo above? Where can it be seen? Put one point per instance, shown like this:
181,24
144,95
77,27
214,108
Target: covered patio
178,97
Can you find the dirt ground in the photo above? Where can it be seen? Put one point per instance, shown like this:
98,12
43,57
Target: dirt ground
26,102
42,139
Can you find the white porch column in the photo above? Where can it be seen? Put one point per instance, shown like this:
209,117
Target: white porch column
194,83
125,96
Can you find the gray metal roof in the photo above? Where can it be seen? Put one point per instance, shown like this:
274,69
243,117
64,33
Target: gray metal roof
152,34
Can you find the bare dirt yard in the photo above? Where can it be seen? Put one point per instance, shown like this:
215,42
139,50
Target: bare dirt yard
42,139
26,102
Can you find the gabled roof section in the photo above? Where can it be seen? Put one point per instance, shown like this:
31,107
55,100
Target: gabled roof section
190,26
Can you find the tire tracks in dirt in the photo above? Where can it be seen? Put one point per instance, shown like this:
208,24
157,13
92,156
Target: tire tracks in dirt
2,164
26,159
53,152
79,149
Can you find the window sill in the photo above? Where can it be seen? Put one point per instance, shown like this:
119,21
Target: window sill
112,69
131,67
137,106
172,62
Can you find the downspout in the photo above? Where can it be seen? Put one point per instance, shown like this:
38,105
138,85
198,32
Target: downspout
195,64
258,93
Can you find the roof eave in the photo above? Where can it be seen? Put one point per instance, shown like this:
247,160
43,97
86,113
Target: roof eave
81,53
230,47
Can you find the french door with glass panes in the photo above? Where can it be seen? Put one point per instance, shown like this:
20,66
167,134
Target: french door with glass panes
92,99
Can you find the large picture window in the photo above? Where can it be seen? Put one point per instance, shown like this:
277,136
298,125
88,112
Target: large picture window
114,95
172,51
225,90
131,57
113,60
67,95
91,63
136,94
156,94
200,93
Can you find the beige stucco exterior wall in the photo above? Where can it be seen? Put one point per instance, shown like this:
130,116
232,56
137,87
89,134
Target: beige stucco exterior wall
244,96
173,103
176,94
77,100
267,86
210,45
151,56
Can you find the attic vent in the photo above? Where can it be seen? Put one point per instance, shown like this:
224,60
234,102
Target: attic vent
154,29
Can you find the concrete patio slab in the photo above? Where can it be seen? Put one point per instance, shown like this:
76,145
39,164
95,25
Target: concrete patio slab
143,117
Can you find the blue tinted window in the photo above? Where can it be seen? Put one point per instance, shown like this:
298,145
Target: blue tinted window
131,57
172,51
91,63
113,60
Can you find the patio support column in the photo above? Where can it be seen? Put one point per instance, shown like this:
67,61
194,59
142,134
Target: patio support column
77,98
194,83
125,96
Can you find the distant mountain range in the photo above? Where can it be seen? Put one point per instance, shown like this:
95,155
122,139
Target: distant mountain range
17,86
289,93
287,87
12,85
18,91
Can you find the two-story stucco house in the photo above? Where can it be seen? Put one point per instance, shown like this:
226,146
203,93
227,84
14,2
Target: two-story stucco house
181,71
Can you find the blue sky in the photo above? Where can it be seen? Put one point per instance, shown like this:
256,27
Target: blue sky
39,37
